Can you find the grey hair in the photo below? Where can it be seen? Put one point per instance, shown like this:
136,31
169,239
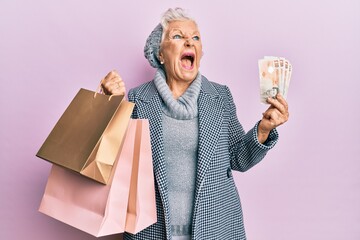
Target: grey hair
174,14
153,42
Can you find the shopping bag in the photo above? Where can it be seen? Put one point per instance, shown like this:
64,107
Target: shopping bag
126,203
87,137
142,204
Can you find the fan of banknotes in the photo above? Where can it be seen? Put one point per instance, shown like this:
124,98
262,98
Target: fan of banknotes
275,74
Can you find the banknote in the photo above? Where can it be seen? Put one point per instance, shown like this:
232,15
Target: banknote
282,79
275,74
287,82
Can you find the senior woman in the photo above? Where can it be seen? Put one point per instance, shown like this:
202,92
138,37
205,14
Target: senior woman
196,137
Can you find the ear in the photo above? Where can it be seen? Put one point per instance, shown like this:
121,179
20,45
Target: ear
160,57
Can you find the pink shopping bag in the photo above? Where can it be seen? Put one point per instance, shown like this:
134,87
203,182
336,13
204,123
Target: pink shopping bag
127,203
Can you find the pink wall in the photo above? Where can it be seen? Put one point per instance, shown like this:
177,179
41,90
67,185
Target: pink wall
308,187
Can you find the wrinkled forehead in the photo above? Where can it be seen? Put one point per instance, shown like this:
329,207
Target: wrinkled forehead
184,26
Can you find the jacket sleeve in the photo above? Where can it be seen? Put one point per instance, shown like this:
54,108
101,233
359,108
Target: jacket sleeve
131,98
245,148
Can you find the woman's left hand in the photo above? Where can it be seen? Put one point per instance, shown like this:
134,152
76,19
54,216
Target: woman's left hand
274,116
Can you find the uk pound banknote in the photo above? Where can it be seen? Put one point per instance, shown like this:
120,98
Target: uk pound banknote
275,74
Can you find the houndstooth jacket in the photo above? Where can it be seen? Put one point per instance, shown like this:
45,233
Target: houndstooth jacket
223,146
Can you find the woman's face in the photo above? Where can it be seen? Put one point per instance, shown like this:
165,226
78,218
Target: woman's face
181,51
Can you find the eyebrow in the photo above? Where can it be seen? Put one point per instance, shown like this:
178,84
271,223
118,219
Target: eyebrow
177,29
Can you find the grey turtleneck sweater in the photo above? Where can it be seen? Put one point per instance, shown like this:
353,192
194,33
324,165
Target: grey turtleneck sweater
180,127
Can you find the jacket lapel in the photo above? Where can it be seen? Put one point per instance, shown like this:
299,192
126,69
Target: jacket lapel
210,120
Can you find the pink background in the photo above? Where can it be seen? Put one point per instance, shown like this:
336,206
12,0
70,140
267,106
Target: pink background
308,187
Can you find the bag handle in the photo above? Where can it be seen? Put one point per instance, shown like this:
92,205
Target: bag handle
100,90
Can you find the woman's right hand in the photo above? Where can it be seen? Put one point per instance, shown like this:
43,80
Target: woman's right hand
112,84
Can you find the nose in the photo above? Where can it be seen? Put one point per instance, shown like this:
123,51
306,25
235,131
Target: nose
189,42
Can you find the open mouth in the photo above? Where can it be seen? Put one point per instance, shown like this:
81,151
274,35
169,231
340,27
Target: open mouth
187,60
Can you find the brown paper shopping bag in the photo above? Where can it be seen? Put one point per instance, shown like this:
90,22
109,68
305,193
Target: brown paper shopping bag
87,137
126,203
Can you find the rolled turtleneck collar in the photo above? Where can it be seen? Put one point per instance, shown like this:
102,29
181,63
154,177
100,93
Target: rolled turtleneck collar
183,108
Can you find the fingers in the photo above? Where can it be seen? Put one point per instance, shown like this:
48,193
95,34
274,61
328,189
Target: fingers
276,114
280,104
273,115
112,76
272,118
282,100
116,88
113,84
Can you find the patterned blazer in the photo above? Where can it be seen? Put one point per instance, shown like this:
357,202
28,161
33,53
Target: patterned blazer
223,146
